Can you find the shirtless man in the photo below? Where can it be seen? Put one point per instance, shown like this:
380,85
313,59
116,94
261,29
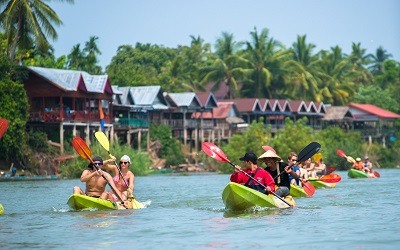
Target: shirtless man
96,180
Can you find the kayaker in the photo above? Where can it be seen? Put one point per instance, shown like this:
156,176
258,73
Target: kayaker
320,168
252,169
279,170
358,165
95,182
368,168
128,176
292,157
310,167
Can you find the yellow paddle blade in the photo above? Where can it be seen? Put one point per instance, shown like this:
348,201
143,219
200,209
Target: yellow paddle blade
317,157
103,140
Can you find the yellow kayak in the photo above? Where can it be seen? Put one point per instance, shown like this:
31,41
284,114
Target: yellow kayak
82,202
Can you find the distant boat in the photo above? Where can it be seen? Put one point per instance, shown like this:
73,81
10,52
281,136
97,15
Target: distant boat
30,178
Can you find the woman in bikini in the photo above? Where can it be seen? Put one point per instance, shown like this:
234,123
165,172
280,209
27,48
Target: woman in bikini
125,183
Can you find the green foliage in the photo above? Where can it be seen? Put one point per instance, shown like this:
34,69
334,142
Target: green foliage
14,108
251,140
334,138
171,149
294,137
38,140
379,97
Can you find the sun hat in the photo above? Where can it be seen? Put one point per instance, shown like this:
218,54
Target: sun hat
249,156
366,158
270,154
125,158
358,159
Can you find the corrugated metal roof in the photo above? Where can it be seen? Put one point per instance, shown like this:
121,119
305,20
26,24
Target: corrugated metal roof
374,110
65,79
187,99
95,84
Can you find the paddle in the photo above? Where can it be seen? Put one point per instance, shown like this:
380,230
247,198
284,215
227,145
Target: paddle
330,178
341,153
330,169
84,151
308,187
103,140
3,126
306,153
215,152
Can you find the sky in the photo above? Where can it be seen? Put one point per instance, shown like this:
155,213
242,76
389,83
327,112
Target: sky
170,23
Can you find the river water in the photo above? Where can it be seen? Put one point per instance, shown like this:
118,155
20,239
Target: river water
186,212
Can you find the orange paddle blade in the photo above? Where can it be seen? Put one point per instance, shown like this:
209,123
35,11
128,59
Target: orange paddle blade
215,152
340,153
81,148
3,126
308,188
377,174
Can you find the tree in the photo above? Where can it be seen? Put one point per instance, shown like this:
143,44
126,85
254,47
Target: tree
379,97
262,57
28,22
378,60
359,60
304,75
227,67
335,88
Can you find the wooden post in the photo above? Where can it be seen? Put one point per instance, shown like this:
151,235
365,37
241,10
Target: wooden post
62,138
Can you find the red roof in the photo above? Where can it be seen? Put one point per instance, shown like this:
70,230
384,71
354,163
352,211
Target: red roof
374,110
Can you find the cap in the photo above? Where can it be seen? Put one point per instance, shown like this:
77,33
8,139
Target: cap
249,156
270,154
125,158
358,159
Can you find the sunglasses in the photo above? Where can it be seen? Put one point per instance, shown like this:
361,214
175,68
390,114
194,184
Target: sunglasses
124,162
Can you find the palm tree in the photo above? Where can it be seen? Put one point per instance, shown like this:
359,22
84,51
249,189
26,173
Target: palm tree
28,22
304,75
359,60
378,59
76,58
262,54
336,88
91,49
226,68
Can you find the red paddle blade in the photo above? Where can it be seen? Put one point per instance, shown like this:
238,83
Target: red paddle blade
330,169
340,153
377,174
3,126
81,148
266,148
215,152
308,188
331,178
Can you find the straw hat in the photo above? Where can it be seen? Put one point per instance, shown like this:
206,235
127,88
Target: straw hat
270,154
358,159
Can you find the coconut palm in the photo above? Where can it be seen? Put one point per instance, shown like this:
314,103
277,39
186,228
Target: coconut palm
336,88
262,54
304,75
378,60
359,60
226,68
28,22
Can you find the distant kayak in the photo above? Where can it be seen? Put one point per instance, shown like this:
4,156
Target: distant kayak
84,202
353,173
238,197
1,209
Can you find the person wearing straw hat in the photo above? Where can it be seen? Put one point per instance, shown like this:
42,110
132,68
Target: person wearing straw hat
279,170
242,176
